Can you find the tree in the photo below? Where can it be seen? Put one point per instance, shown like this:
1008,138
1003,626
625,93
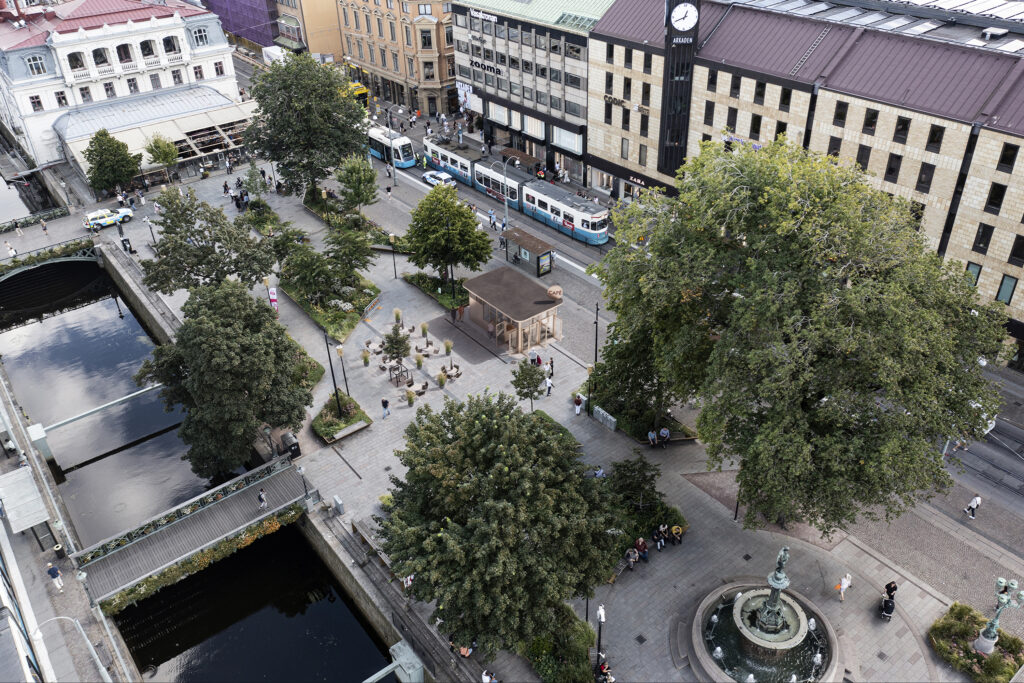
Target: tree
306,120
528,380
253,182
443,233
311,272
232,368
349,247
110,164
495,521
830,350
396,344
162,152
358,180
200,246
634,483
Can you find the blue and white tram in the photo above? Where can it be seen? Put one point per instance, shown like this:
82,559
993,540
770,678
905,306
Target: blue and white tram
453,159
493,183
382,142
566,212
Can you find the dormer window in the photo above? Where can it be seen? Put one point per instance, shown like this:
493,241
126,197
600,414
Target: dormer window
36,65
200,36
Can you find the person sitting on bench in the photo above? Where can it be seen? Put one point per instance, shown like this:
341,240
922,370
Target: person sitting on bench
677,535
641,548
663,436
631,558
652,438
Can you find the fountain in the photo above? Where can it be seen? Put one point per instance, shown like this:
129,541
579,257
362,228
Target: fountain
771,637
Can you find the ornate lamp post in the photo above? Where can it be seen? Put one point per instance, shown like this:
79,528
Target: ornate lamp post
986,641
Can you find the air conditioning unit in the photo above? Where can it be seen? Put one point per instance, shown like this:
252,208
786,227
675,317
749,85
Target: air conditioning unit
993,32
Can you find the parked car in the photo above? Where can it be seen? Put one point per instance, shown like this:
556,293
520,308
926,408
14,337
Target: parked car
107,217
438,178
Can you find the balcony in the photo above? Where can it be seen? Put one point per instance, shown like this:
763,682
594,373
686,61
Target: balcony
177,58
80,75
104,71
129,67
152,62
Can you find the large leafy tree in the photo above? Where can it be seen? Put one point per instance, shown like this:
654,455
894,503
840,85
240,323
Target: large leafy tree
495,520
314,274
110,163
830,350
443,233
358,180
349,245
528,380
306,120
200,246
162,152
233,368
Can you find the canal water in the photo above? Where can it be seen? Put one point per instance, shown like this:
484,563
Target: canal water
271,611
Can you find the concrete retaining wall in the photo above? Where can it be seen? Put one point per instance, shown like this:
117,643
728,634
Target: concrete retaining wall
152,312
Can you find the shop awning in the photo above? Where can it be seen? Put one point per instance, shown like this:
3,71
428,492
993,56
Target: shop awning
23,506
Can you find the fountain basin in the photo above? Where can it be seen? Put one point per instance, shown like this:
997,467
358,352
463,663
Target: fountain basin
744,615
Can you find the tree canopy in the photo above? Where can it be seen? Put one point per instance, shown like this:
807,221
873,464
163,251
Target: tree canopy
306,120
162,151
495,520
110,164
528,380
444,233
232,368
199,246
358,180
832,354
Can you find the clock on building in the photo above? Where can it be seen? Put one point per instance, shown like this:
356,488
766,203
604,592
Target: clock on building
681,19
684,17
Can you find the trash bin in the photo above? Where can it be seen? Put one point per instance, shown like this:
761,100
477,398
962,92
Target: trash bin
59,551
290,444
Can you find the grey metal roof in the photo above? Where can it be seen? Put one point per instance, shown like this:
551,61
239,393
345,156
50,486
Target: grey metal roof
640,21
576,16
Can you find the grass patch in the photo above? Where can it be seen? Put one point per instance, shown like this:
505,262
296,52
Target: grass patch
429,284
328,422
308,372
201,560
952,638
338,323
563,654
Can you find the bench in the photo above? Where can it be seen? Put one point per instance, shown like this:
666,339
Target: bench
619,568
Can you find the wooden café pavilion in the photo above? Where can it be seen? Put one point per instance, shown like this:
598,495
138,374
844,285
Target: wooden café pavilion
515,311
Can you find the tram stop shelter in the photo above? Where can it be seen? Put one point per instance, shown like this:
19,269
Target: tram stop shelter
515,311
530,253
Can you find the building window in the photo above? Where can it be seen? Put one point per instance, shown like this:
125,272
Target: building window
863,156
712,79
412,68
218,68
201,37
448,35
36,65
428,71
405,7
892,168
709,113
369,51
935,135
609,83
408,36
380,27
36,101
643,155
461,46
423,7
755,127
924,177
994,203
975,270
609,53
355,18
785,99
383,57
1017,251
629,58
464,71
608,113
571,80
426,39
108,90
902,130
394,62
645,95
99,56
573,51
730,119
197,71
839,117
76,61
759,87
780,128
154,81
1007,158
627,88
625,119
489,81
834,145
645,121
85,94
369,28
573,109
705,137
133,86
176,76
734,85
870,121
556,102
982,238
391,31
1006,287
917,213
62,98
171,46
624,149
359,48
344,15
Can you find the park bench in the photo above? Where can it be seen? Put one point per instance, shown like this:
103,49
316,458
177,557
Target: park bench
619,568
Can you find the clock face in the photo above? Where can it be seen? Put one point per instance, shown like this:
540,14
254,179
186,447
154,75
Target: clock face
684,17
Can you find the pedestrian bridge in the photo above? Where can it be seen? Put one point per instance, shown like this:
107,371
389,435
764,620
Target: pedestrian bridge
121,561
71,250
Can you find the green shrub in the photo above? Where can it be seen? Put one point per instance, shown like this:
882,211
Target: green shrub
328,422
563,654
554,425
338,323
952,638
429,284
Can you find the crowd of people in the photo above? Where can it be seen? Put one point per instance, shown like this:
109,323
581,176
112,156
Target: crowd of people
659,438
660,536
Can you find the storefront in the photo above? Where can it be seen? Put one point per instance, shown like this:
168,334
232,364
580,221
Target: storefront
516,312
622,183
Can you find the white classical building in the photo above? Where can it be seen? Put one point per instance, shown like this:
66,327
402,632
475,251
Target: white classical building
134,67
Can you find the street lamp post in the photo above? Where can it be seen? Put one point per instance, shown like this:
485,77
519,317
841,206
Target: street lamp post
394,264
81,631
341,361
504,169
600,624
391,142
330,361
986,641
67,197
590,388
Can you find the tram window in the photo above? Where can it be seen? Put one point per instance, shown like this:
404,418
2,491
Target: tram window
585,223
444,158
480,177
463,168
513,195
530,199
406,151
569,218
555,212
542,205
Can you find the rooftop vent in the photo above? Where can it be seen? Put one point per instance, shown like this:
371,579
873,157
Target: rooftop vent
993,32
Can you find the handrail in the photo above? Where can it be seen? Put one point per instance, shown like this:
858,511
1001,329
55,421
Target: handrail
34,218
180,511
86,243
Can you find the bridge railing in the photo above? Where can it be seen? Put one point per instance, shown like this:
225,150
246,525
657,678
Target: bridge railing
183,510
34,218
60,249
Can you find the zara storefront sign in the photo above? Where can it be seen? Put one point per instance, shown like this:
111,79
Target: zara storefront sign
475,63
477,14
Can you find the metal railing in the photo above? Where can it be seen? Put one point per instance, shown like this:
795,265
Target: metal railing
183,510
32,219
83,246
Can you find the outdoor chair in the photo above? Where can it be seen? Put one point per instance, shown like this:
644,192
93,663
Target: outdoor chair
382,367
410,382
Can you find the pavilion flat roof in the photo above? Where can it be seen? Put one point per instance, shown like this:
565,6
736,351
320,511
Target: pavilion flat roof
512,293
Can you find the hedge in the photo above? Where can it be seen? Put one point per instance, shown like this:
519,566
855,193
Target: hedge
563,654
429,284
41,256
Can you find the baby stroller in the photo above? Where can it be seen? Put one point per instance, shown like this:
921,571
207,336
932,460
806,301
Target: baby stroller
887,607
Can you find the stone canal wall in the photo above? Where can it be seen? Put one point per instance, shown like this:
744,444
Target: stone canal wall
152,312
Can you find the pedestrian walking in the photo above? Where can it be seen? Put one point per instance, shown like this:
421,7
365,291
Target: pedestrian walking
387,169
42,224
263,173
227,189
11,251
262,498
55,574
120,200
228,165
843,584
388,188
549,384
386,406
578,402
462,310
972,507
402,126
890,589
17,229
551,367
131,202
142,199
490,218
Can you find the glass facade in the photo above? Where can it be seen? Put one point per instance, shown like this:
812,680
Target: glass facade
254,20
